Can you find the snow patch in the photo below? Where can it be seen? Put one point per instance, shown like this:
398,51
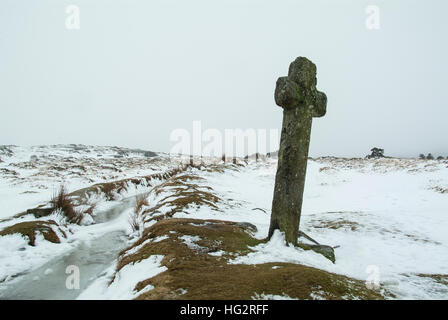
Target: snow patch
272,297
123,286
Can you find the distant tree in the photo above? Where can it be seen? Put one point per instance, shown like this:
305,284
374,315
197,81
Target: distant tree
422,156
440,158
149,154
429,157
376,153
272,154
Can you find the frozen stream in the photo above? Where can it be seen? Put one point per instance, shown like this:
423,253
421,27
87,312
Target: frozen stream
92,255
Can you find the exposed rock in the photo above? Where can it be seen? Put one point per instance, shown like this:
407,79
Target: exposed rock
40,212
326,251
247,225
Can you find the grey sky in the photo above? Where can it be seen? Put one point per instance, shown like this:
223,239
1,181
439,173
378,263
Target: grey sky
136,70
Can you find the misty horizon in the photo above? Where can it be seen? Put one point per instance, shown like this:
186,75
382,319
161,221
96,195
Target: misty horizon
130,75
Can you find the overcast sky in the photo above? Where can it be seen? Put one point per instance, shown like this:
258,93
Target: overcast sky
136,70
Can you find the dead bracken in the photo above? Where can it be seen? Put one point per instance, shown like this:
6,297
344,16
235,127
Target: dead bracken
183,192
439,278
29,229
112,189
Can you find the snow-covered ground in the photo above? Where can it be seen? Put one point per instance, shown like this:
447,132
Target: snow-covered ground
29,176
388,216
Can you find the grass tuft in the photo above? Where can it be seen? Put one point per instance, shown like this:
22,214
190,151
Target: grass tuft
62,201
140,201
135,219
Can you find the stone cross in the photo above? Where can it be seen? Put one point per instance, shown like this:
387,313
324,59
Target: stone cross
300,100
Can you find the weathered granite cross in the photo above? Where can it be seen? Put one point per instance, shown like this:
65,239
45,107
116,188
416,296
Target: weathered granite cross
300,100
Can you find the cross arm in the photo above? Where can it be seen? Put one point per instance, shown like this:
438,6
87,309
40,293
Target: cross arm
319,104
288,94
